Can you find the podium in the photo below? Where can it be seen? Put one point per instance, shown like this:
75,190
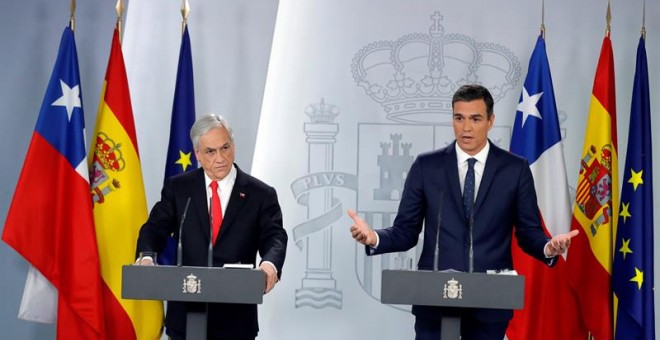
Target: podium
452,289
193,284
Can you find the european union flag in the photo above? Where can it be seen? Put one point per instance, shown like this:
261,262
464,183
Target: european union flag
180,154
632,272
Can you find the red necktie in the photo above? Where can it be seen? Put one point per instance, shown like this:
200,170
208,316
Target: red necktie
216,210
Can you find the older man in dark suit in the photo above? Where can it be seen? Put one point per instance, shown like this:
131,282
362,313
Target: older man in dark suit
243,214
480,183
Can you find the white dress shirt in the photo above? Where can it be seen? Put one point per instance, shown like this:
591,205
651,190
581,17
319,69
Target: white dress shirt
225,186
479,166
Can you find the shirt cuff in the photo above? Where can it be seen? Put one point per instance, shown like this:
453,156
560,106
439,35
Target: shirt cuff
550,260
271,264
372,249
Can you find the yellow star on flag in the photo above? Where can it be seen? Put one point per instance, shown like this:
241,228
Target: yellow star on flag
636,178
625,248
625,212
184,160
639,278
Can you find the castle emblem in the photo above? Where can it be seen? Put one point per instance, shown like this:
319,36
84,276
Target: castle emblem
192,285
394,167
452,290
107,158
594,192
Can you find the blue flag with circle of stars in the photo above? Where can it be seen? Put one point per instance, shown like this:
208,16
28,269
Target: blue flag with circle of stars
180,153
632,271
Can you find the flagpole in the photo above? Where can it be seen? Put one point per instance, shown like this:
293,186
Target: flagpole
644,20
119,9
185,9
72,20
543,19
608,19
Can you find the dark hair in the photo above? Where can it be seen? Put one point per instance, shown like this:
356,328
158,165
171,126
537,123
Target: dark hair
470,92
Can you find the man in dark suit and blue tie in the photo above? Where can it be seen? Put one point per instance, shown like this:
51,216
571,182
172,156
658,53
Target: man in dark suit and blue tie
241,211
485,192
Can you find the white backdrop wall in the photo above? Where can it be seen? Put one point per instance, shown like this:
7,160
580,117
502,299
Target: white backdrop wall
328,291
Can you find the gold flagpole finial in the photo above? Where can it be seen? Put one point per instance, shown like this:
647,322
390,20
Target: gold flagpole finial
72,19
185,9
644,20
119,9
608,19
543,19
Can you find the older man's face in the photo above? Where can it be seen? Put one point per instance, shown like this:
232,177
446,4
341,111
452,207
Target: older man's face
215,151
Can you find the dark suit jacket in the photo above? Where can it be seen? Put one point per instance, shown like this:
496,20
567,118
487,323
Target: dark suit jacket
251,223
506,198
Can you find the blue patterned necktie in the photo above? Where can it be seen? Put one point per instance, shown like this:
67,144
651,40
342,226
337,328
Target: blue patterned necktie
468,189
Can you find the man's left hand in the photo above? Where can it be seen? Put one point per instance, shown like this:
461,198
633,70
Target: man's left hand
271,276
560,243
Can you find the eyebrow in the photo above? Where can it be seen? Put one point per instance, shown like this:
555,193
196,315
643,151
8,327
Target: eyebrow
208,148
471,115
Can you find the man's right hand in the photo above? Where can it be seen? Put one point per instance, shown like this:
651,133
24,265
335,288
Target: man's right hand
360,230
145,261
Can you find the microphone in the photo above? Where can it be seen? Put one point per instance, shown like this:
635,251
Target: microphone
436,253
471,243
179,246
209,259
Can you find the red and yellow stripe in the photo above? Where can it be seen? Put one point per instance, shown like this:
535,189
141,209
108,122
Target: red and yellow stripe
595,212
123,208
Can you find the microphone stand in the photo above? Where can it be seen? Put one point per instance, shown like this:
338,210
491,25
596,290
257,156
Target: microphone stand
209,260
436,253
471,242
179,246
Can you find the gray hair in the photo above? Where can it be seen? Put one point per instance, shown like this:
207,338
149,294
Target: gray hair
206,123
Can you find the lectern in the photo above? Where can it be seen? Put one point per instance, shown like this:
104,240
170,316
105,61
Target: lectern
452,289
193,284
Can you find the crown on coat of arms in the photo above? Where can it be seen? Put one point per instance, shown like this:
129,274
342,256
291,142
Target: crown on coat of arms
322,112
415,77
108,153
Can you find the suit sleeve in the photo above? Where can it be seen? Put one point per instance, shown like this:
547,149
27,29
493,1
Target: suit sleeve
160,224
273,239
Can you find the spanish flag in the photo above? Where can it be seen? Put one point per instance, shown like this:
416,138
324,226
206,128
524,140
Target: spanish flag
595,211
120,206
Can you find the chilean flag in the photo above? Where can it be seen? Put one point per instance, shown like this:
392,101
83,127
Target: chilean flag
550,310
50,221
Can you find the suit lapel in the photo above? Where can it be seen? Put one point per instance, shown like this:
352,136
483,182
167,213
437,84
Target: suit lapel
236,201
451,172
199,201
492,164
